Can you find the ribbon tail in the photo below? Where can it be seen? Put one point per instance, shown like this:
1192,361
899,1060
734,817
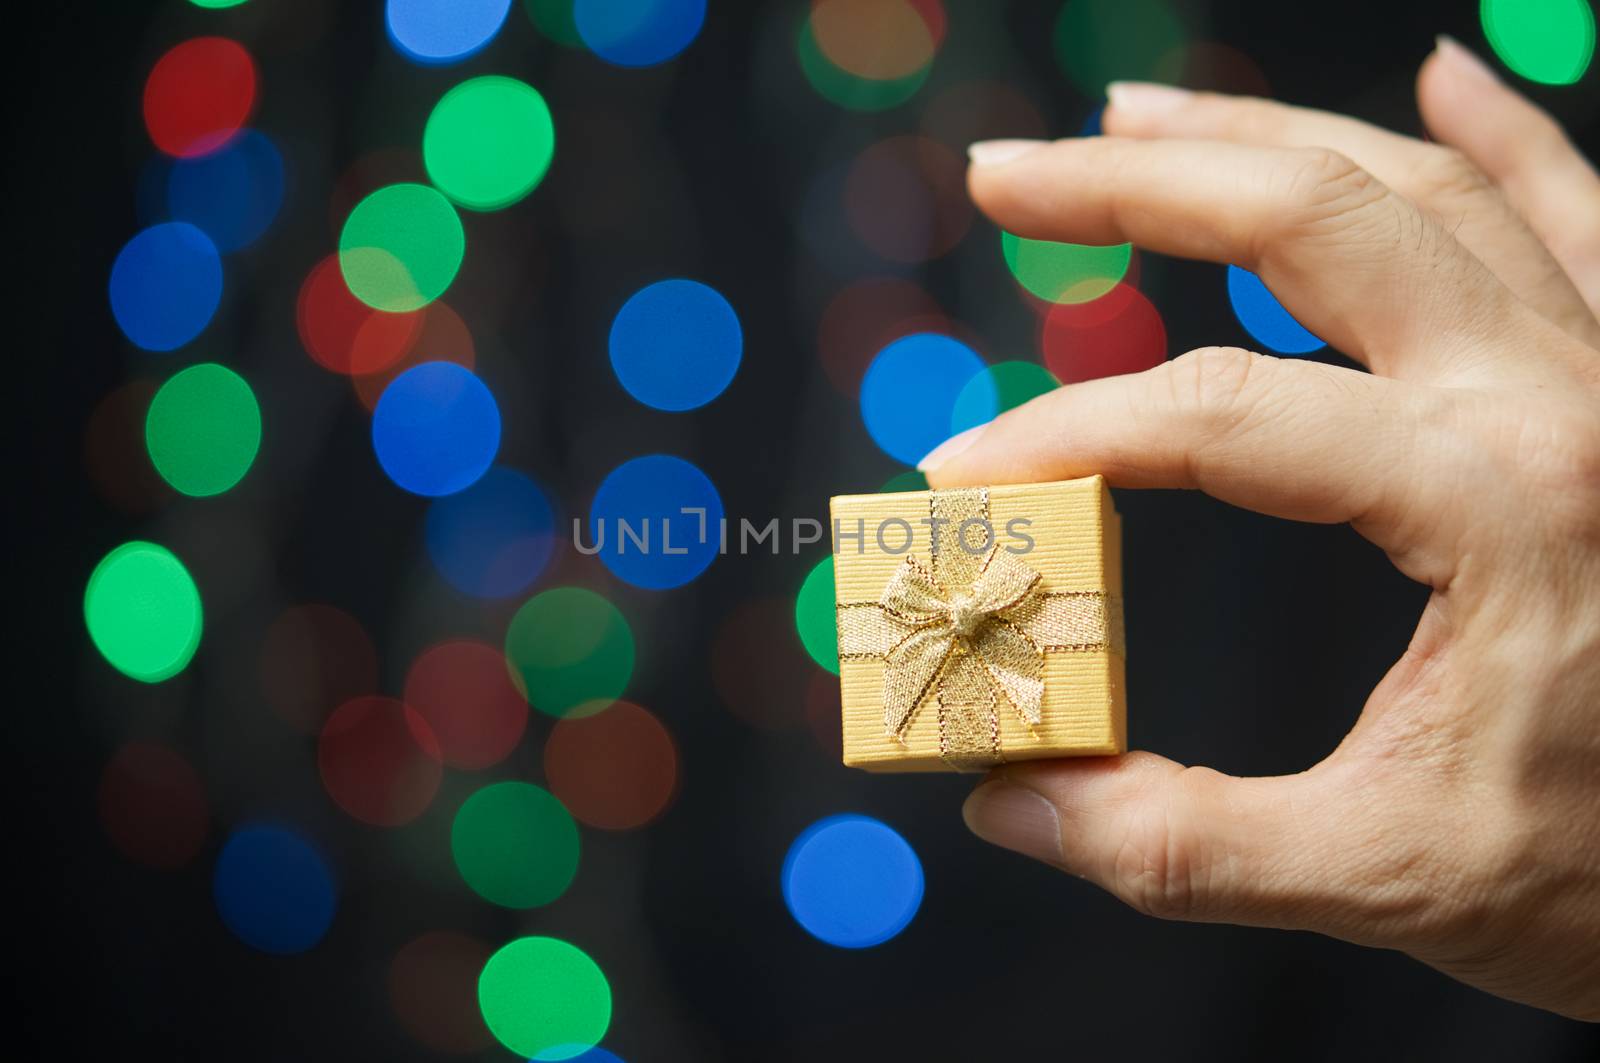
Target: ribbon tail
909,672
1016,665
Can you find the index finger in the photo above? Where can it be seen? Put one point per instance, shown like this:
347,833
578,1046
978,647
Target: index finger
1360,266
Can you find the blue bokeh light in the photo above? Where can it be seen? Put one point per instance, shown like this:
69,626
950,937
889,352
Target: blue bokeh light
593,1055
273,889
638,32
493,539
910,391
977,403
1259,311
233,194
436,32
436,429
165,286
852,881
644,493
676,344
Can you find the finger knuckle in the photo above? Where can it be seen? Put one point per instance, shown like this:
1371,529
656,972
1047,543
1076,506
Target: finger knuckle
1445,175
1322,186
1160,868
1213,383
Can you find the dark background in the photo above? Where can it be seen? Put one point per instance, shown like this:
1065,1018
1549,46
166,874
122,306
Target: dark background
1253,642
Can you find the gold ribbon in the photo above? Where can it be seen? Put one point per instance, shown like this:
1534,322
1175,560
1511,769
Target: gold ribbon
973,629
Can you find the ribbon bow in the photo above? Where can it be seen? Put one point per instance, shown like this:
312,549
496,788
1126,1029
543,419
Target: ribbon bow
962,642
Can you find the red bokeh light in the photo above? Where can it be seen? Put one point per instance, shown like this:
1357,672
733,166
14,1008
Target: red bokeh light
444,337
463,690
616,770
199,95
861,320
115,455
824,714
758,665
379,761
1120,332
433,988
344,334
153,806
313,659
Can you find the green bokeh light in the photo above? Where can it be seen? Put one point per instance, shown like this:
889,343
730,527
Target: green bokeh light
143,611
999,388
488,142
1098,41
553,18
846,89
203,429
544,999
570,651
515,845
910,480
1548,41
1065,273
401,247
216,4
814,616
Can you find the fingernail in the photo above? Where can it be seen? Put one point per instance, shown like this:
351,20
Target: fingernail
1464,59
1015,818
949,449
995,152
1146,97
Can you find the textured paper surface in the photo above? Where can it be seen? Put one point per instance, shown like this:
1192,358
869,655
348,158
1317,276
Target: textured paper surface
1077,537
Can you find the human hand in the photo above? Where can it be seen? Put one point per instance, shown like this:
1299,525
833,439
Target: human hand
1459,820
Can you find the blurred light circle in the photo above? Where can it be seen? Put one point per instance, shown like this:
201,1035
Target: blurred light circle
216,4
433,988
379,761
273,890
343,334
488,142
153,806
203,429
1065,273
647,496
852,881
1120,332
231,195
1259,311
401,247
615,770
544,999
443,31
463,691
436,429
198,95
166,284
999,388
442,337
910,391
881,40
515,845
824,715
757,668
1099,41
910,480
143,611
638,32
1548,41
1210,66
844,89
814,616
982,110
862,319
906,199
114,453
554,19
315,658
369,172
594,1055
494,538
569,651
676,344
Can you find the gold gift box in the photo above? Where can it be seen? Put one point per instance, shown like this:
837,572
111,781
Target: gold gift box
979,625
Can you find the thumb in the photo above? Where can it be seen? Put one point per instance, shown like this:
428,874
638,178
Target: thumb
1177,842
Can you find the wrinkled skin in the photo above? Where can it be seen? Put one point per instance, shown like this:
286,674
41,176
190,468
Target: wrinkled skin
1459,820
